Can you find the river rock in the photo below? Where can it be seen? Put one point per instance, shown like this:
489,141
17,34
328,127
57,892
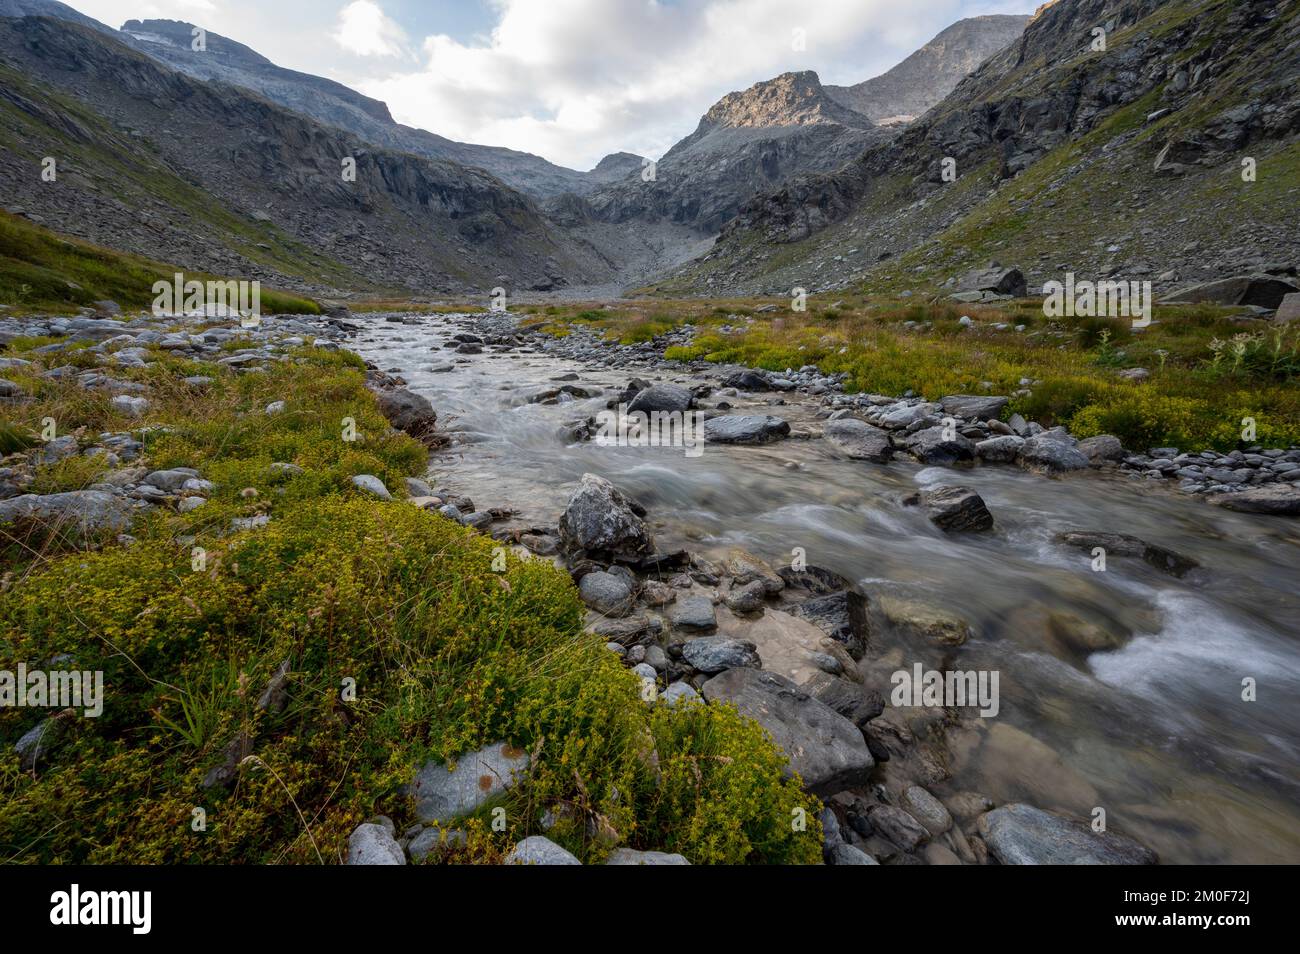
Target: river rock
824,748
927,809
977,406
629,856
600,519
1102,448
955,509
1123,544
372,844
923,622
1004,449
1278,500
744,567
898,826
408,411
443,794
713,654
860,440
664,398
746,598
934,445
1020,834
606,593
694,614
1052,453
842,616
842,853
539,850
745,429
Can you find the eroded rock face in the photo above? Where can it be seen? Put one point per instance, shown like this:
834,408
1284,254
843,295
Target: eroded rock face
444,794
1023,835
601,520
824,748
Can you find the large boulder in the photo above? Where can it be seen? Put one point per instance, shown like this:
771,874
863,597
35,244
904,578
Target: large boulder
408,411
825,749
600,520
1020,834
860,440
664,398
747,379
1289,309
994,279
75,514
955,509
444,794
1262,291
745,429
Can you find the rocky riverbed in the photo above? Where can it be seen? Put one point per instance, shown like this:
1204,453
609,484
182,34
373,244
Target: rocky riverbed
818,548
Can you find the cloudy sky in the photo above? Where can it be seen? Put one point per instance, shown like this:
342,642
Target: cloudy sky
571,80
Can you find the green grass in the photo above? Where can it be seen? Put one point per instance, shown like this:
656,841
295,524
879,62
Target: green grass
446,655
1196,397
42,271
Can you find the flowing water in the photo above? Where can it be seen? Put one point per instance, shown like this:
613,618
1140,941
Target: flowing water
1156,731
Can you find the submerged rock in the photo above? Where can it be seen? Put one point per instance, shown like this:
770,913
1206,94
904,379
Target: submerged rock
1023,835
1123,544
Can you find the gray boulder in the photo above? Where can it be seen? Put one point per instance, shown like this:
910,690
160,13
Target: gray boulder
606,593
745,429
694,614
1023,835
713,654
955,509
663,398
1102,448
372,844
842,616
1053,454
995,279
371,485
628,856
1004,449
442,794
1262,291
600,520
747,380
977,406
539,850
860,440
934,446
824,748
408,411
78,514
1279,500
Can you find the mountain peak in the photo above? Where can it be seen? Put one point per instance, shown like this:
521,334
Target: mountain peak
791,99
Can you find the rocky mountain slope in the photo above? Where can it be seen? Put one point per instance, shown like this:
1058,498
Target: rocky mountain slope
746,143
923,79
224,60
1099,162
212,176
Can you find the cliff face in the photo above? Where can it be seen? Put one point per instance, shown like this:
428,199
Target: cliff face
923,79
217,177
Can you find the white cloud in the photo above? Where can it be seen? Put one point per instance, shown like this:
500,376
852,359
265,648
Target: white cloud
365,30
574,80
